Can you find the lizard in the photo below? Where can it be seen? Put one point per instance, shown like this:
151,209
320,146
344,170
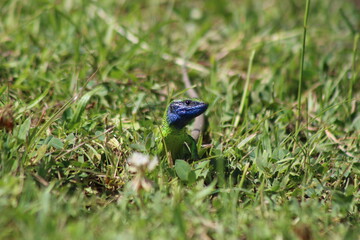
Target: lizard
175,139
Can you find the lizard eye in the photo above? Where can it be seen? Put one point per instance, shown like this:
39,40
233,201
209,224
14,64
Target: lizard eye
187,102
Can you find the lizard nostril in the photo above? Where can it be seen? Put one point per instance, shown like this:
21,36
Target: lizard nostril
187,102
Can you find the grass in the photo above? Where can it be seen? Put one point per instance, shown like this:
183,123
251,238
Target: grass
84,84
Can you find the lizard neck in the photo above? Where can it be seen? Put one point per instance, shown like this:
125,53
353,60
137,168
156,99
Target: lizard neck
166,129
174,139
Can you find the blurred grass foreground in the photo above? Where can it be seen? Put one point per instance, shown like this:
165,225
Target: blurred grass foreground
84,84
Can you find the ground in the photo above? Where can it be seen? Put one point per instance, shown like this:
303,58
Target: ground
84,84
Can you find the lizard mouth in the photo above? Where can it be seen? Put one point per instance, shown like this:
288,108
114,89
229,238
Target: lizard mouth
181,112
190,112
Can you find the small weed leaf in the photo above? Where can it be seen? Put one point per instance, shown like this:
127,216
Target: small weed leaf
40,153
184,171
24,129
100,135
202,169
56,143
262,163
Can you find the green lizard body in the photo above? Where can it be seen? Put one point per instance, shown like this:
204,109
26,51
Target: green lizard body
177,142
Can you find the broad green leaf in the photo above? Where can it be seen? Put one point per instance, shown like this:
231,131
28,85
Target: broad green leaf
183,170
191,177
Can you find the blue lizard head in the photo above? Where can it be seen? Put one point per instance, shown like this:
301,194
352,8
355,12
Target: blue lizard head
181,112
